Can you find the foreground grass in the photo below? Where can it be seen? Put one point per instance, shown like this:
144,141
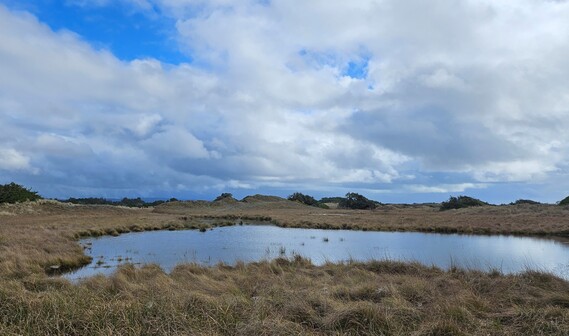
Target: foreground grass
281,297
288,297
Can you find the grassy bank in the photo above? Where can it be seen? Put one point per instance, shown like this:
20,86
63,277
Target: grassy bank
270,298
523,219
288,298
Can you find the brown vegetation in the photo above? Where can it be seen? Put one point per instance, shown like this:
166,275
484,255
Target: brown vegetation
286,297
522,219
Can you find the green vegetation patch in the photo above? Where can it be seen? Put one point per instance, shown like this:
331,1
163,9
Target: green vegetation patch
128,202
524,201
14,193
461,202
306,200
564,201
357,201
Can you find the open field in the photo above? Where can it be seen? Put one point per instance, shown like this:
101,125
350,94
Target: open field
523,219
271,298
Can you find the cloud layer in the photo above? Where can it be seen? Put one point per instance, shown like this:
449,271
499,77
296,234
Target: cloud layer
379,96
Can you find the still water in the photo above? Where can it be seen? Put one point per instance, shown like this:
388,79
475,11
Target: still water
258,242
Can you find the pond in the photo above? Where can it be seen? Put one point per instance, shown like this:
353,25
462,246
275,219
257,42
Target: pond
508,254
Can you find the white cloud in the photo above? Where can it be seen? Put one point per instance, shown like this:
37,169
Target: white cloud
145,124
175,143
514,171
10,159
444,188
466,88
442,79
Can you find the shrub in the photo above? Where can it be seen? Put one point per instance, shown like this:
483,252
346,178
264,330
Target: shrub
356,201
87,200
524,201
332,199
128,202
223,196
132,202
13,193
461,202
304,199
564,201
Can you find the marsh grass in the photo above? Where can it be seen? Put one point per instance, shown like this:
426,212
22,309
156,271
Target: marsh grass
286,297
278,297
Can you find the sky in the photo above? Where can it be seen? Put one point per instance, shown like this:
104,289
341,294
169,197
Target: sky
400,101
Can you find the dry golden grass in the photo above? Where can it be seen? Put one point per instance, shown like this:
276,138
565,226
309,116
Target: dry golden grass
42,234
281,297
525,219
285,297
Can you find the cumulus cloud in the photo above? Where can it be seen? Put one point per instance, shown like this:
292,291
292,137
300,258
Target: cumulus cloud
444,188
288,94
11,159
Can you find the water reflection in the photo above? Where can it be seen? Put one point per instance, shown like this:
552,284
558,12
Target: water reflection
256,242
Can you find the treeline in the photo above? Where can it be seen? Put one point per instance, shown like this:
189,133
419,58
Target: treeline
127,202
357,201
465,202
14,193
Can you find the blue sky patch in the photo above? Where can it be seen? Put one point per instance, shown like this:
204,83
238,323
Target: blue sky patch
357,68
128,32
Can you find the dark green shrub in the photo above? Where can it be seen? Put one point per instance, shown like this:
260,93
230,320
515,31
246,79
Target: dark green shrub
524,201
564,201
223,196
128,202
461,202
87,200
332,199
304,199
132,202
356,201
13,193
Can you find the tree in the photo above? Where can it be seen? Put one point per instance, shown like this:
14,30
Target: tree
461,202
356,201
13,193
304,199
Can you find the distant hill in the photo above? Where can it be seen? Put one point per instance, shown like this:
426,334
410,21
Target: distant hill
263,198
258,202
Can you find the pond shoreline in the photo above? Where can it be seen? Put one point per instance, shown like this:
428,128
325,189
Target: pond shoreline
205,222
466,254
